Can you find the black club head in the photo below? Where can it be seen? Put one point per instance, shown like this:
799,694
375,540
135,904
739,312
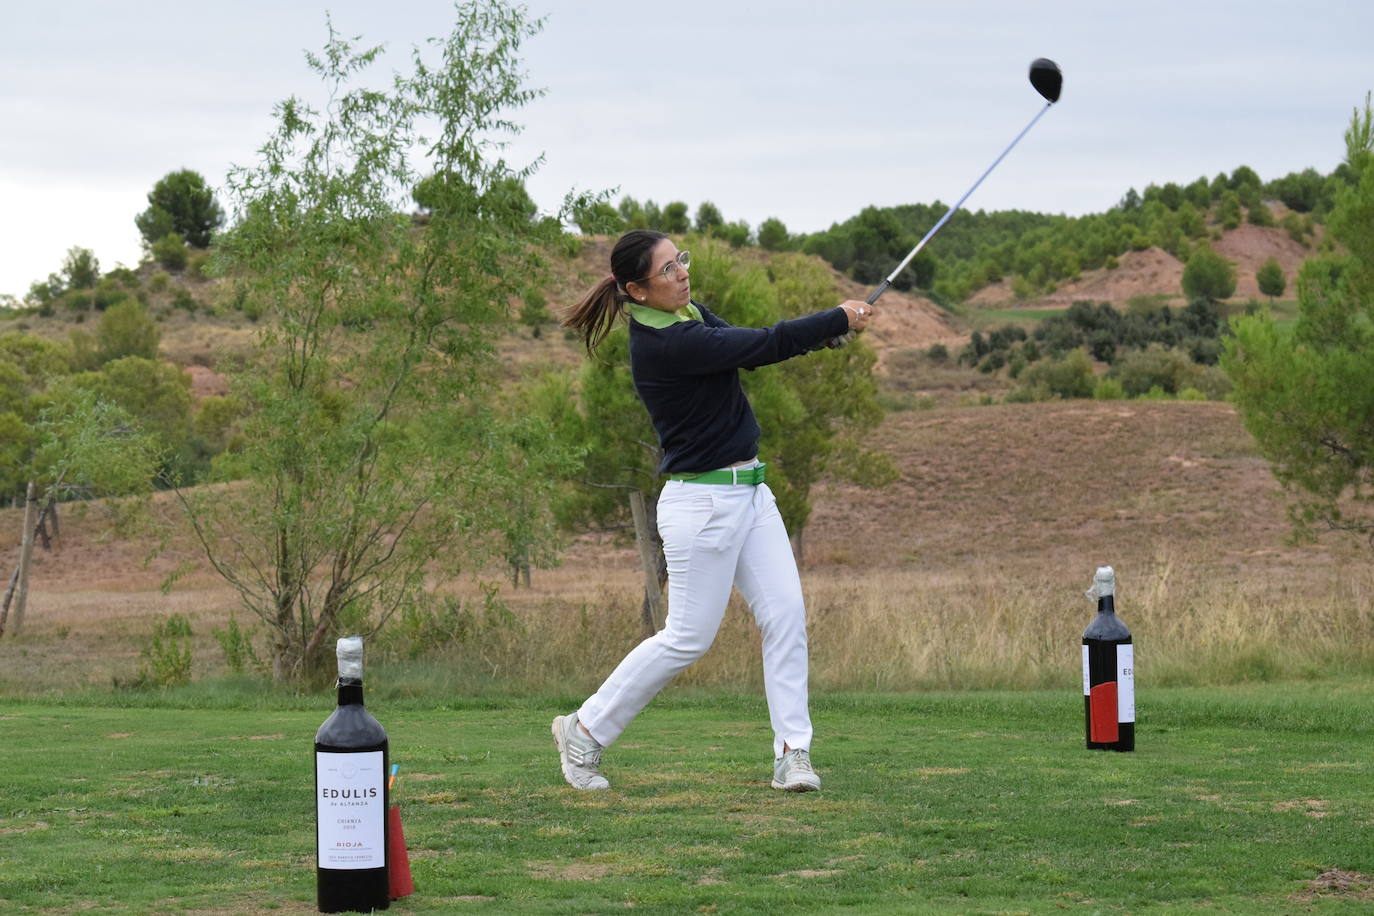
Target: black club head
1046,78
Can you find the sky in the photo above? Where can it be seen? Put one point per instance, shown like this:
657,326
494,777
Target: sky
803,111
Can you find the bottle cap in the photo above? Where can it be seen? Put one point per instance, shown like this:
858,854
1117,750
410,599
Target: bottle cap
350,652
1104,583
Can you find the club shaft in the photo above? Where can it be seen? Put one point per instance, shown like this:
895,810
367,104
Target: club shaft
873,297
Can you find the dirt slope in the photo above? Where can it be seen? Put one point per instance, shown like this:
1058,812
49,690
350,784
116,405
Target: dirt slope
1153,270
1156,272
1072,484
1248,247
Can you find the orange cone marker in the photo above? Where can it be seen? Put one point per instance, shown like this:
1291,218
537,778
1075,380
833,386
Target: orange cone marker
397,858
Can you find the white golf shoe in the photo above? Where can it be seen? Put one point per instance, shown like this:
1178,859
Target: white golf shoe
792,772
579,753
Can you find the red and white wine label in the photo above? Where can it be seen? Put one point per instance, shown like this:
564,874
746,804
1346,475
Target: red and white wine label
1125,683
350,810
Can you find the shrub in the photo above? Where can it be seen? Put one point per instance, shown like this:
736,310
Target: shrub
992,362
938,353
126,329
159,281
1169,370
167,657
123,276
183,299
534,309
1069,377
197,263
170,251
107,294
237,645
1028,394
1298,227
1108,389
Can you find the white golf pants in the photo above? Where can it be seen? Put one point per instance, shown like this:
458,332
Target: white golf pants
716,536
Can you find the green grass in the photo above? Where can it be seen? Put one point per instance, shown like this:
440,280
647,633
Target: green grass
1236,800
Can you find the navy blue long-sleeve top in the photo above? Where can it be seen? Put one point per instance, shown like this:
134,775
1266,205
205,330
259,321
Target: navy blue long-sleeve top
686,372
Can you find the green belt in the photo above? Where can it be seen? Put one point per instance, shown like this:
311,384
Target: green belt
747,476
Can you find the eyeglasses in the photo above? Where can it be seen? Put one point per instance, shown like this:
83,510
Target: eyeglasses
681,262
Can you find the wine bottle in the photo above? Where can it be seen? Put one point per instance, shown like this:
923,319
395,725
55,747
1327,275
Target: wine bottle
1108,672
350,797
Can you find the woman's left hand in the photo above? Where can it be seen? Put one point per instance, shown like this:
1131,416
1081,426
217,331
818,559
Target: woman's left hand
859,313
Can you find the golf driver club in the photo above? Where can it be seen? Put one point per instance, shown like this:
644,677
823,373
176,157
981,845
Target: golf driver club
1048,81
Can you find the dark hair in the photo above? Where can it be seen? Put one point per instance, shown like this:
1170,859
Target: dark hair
631,260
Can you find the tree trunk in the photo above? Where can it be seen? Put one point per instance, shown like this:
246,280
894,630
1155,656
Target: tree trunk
652,611
21,600
798,547
5,605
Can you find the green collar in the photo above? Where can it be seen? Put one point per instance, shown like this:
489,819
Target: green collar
655,318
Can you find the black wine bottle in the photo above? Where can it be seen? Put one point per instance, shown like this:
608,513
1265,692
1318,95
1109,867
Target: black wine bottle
1108,672
350,797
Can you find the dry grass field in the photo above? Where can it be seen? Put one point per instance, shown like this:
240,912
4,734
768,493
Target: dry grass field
969,570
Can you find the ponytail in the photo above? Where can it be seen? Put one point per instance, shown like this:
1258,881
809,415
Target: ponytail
595,315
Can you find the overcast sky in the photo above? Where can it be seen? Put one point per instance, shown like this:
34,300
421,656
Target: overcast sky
807,111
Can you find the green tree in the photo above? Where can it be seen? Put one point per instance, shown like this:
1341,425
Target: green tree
1259,214
1244,177
814,410
598,217
1208,275
675,219
1306,391
736,234
773,235
83,447
1271,279
631,214
126,329
535,455
365,456
81,269
183,203
708,218
1228,210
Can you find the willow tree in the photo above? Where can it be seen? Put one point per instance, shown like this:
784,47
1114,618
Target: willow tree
371,465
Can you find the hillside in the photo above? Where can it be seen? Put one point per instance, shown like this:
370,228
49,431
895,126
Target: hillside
907,321
1155,272
1013,505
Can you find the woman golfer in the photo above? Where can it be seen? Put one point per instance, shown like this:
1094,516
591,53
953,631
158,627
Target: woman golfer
719,521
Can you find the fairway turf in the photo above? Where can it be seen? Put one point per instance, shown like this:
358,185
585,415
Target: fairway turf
1237,800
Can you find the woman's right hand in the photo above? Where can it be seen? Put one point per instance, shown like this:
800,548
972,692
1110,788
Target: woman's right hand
858,312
